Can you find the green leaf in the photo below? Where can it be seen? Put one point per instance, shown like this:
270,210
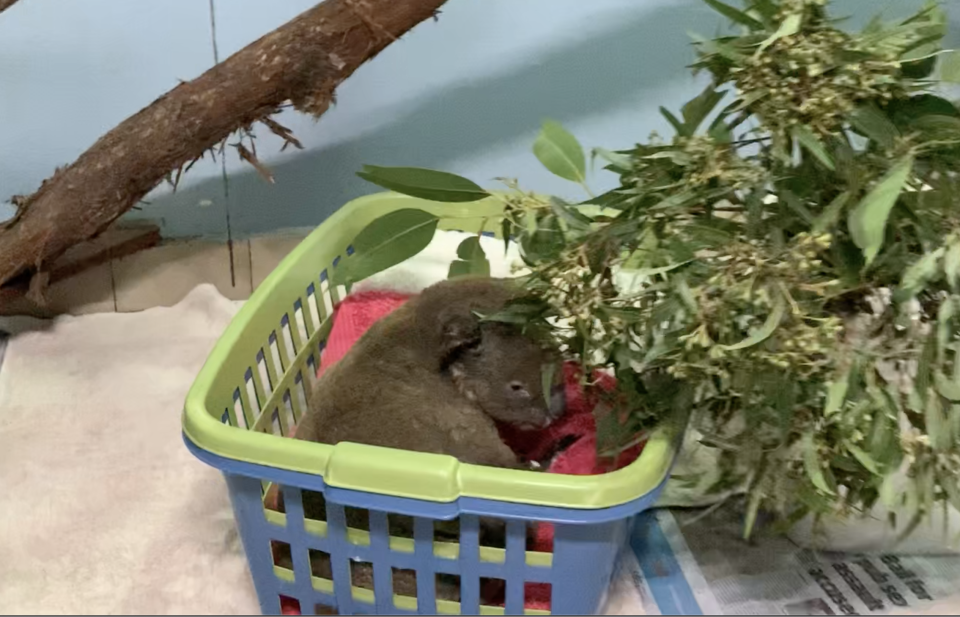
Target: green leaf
385,242
868,221
836,395
812,143
734,15
675,123
768,328
621,162
460,268
506,229
651,272
831,214
863,458
471,250
947,388
790,26
919,274
547,373
560,152
889,495
872,122
568,213
811,462
686,294
951,265
697,110
935,423
424,183
950,67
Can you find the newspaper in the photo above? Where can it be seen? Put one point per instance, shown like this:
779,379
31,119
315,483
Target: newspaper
683,566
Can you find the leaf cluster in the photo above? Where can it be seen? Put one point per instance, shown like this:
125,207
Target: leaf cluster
783,271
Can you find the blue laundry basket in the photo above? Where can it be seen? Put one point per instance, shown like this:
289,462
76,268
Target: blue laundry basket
252,391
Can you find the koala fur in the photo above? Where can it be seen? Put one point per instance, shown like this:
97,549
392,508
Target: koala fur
432,377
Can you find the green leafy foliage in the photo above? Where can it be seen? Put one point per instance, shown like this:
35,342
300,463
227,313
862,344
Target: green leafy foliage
785,276
424,183
386,242
560,152
472,261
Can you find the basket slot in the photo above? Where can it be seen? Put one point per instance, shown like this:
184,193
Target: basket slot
383,585
515,566
325,294
302,331
312,314
244,413
339,554
288,350
299,398
469,565
426,575
262,378
272,357
249,396
288,416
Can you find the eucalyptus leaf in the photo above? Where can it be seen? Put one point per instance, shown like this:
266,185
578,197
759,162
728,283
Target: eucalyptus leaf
471,250
675,122
560,152
806,138
869,120
950,67
790,26
831,214
868,221
951,265
765,331
569,213
735,15
947,388
813,466
460,268
621,162
387,241
697,110
424,183
836,395
863,458
547,373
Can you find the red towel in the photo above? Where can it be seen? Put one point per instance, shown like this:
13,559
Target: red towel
576,430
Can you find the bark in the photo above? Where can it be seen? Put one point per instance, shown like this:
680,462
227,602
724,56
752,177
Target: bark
301,62
6,4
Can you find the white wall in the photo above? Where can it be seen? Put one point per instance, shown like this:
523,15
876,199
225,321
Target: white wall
466,93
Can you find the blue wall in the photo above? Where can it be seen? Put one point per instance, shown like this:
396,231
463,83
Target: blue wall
466,93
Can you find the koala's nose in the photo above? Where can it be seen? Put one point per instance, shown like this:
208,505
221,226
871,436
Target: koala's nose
558,401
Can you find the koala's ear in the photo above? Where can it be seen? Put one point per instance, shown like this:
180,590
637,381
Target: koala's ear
459,330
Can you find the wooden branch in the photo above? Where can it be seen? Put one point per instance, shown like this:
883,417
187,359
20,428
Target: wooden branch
116,242
302,62
6,4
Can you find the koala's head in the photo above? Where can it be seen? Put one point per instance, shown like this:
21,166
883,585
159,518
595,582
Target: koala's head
493,364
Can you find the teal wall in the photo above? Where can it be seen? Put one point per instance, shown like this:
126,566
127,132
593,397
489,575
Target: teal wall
465,94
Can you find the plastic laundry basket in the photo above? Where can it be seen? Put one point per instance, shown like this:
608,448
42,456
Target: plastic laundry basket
252,390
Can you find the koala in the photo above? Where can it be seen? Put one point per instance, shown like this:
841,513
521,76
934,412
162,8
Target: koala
433,377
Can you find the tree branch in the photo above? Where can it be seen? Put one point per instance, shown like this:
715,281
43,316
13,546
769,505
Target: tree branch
6,4
302,62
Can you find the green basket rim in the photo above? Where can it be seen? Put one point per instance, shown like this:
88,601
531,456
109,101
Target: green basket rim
416,475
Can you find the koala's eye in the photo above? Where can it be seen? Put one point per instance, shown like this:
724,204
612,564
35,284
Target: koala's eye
518,388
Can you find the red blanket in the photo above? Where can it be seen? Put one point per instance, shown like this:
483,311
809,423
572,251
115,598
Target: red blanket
574,434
